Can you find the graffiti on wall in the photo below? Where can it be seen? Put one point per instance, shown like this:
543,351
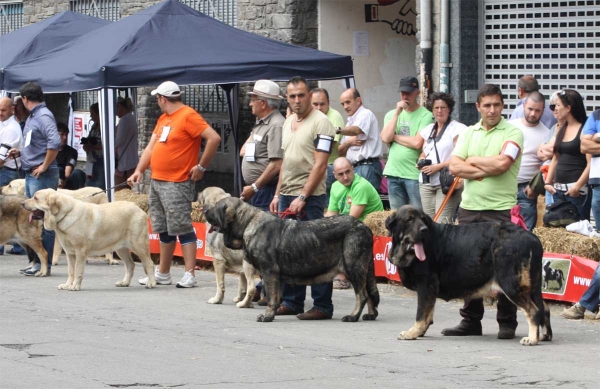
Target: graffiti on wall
400,24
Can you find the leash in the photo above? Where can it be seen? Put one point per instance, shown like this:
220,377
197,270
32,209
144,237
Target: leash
446,199
104,191
287,213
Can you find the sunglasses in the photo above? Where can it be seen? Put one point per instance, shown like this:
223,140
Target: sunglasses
552,107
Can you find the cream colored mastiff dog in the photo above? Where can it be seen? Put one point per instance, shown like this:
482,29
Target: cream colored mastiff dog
85,229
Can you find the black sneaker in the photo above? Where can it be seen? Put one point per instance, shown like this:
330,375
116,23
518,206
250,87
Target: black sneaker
465,328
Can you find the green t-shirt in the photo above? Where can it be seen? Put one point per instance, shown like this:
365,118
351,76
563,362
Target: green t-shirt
338,121
401,159
493,193
361,192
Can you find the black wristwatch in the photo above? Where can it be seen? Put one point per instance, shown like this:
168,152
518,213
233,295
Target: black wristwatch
338,130
302,198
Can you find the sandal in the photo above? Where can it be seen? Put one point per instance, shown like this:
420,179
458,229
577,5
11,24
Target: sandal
341,284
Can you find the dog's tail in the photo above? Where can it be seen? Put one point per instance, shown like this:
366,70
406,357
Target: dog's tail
372,290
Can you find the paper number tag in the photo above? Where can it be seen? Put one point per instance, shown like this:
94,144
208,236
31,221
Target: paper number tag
511,150
28,138
250,151
164,134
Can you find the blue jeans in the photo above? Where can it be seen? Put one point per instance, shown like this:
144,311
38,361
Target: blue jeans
293,296
528,206
46,180
97,180
373,173
596,206
403,191
329,183
582,203
262,199
591,297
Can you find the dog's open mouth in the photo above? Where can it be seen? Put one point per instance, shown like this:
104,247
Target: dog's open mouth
418,249
214,229
36,215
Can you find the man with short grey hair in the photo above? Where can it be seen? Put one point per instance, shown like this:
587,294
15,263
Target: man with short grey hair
528,84
262,153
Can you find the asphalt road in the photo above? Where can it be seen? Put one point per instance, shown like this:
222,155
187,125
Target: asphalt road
108,337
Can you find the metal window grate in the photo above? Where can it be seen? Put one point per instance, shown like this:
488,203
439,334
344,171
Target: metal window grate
11,17
210,98
103,9
558,43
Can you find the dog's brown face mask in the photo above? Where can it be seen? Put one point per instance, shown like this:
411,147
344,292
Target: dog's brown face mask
409,228
222,220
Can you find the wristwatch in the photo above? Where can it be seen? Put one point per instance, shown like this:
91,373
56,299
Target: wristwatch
302,198
338,130
201,168
254,187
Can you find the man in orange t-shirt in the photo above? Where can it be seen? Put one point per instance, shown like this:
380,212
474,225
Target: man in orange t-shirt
173,153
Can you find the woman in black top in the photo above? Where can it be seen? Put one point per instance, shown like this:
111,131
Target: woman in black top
569,171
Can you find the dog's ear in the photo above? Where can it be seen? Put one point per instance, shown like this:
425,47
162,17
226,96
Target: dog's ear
229,212
52,201
390,222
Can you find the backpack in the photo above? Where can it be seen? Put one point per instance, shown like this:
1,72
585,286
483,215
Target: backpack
560,214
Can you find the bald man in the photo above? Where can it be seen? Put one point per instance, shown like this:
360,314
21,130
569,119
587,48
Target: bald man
361,142
10,137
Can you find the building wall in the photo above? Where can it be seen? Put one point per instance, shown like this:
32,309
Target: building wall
391,55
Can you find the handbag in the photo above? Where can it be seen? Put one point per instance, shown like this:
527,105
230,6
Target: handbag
560,214
537,184
446,178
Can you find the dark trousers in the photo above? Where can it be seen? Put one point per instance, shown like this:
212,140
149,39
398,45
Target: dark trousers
472,311
293,296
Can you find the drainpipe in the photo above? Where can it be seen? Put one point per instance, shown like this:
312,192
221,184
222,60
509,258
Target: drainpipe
445,64
426,48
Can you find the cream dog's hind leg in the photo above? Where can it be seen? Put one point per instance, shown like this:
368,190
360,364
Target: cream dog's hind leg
71,272
129,267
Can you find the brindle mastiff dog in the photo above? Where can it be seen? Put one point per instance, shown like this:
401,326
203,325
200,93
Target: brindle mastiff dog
225,258
302,253
466,261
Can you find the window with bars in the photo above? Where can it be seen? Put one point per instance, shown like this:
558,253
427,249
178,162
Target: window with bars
210,98
103,9
11,16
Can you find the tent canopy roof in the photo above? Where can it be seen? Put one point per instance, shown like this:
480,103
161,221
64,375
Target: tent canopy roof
171,41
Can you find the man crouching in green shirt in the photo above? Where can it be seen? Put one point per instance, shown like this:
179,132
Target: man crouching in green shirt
351,195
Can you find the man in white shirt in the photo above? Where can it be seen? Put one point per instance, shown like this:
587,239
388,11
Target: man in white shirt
10,137
361,142
534,133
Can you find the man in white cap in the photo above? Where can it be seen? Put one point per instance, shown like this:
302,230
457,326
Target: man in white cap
173,154
262,153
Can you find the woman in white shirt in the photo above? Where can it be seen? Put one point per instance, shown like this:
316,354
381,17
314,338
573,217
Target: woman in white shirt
126,141
439,140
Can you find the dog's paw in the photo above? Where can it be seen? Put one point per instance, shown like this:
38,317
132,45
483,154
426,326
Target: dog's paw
123,284
264,319
63,286
350,318
369,316
215,300
151,284
42,273
243,304
237,299
526,341
546,338
74,288
112,261
407,335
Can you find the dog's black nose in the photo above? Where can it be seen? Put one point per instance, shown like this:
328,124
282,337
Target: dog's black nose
423,229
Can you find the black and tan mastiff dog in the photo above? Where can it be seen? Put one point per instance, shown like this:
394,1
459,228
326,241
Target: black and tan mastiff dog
454,261
301,253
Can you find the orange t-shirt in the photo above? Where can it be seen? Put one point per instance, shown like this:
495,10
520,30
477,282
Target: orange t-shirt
173,159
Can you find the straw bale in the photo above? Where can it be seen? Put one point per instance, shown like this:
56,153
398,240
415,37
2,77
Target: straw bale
376,222
141,200
197,215
559,240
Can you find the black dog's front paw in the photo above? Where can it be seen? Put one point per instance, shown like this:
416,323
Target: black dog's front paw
369,317
264,319
350,318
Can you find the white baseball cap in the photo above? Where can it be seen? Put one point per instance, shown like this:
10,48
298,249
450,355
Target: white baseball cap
266,88
167,89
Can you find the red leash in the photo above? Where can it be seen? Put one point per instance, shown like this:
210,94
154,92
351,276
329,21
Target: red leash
287,213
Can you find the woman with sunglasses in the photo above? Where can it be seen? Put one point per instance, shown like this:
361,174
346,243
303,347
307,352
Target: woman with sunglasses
546,150
569,170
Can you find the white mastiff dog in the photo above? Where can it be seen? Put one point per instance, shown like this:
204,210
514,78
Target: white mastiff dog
85,229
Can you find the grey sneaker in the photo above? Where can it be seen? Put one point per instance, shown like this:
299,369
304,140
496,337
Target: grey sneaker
598,314
576,312
188,281
161,279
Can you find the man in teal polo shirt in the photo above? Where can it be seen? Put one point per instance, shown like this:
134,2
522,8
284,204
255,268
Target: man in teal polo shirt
487,157
351,195
400,131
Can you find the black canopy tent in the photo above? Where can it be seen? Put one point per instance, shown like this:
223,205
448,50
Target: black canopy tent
171,41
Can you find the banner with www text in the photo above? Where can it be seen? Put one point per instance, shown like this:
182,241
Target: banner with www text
564,277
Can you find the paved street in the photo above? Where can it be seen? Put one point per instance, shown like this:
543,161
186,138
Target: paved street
103,337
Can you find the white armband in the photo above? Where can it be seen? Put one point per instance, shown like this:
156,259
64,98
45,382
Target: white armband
511,150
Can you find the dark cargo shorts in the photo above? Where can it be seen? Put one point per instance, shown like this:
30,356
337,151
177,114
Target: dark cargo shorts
171,206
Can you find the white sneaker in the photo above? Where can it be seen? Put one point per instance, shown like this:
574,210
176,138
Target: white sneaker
161,279
188,281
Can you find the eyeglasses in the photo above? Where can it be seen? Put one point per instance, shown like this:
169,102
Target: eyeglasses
552,107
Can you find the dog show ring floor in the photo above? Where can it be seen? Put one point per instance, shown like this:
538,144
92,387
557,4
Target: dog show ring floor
167,337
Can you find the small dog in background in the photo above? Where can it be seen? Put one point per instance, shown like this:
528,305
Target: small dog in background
552,275
225,258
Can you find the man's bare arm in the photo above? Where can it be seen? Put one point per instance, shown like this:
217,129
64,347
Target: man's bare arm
491,166
589,144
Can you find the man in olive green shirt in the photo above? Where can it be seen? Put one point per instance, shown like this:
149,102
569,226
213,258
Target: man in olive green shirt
487,157
320,101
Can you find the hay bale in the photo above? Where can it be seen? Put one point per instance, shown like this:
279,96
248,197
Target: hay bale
559,240
141,200
197,215
376,222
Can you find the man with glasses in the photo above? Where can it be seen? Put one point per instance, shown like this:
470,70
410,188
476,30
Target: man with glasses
173,153
528,84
